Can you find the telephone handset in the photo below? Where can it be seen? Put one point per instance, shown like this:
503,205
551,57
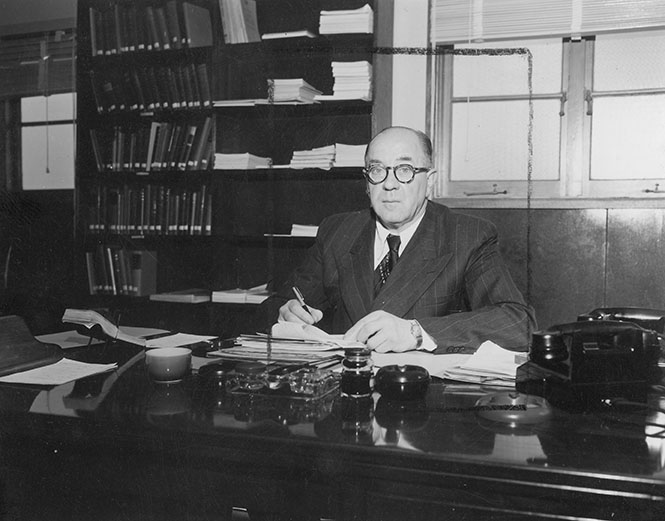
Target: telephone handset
645,317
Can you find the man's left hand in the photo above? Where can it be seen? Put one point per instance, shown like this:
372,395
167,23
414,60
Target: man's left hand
382,332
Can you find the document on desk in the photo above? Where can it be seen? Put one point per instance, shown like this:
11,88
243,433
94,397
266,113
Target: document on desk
489,365
58,373
177,340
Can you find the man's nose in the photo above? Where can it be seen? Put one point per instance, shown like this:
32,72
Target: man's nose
391,182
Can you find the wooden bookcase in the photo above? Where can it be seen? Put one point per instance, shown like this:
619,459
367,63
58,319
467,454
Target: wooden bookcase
228,233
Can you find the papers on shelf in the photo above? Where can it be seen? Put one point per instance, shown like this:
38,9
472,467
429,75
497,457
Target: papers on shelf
347,21
254,295
350,155
91,319
244,161
352,80
187,296
291,89
303,33
58,373
320,157
304,230
326,157
250,102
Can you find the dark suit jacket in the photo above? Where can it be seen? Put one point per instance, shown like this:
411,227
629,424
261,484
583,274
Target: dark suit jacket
450,277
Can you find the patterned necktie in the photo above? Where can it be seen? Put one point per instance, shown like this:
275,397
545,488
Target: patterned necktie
387,263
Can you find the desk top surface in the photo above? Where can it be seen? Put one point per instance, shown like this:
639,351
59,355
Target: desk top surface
617,451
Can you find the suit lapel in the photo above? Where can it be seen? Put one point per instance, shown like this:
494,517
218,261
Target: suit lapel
356,274
420,264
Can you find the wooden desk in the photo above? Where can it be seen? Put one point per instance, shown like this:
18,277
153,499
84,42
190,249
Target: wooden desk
191,451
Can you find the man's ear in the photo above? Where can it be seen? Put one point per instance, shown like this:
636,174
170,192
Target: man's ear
431,178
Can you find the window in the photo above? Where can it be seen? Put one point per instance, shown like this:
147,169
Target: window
576,104
47,142
38,110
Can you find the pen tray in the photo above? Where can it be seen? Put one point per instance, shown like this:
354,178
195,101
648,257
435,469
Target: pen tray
303,384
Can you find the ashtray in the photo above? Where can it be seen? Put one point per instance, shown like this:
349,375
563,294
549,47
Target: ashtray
402,382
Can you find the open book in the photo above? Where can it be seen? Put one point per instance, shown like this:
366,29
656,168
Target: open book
97,324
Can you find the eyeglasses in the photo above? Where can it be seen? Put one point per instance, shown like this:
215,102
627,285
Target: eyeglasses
376,174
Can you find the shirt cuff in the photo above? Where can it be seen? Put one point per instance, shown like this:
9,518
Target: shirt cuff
428,342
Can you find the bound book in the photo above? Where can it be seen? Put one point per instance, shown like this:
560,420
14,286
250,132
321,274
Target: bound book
20,351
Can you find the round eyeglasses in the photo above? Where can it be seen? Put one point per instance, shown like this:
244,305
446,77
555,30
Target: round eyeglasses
376,174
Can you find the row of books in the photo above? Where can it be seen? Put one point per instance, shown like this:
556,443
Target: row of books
143,89
325,157
125,27
239,22
163,145
151,210
114,270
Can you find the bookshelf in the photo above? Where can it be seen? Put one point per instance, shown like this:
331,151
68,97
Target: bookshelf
159,98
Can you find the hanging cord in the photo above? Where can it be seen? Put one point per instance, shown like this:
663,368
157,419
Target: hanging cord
44,73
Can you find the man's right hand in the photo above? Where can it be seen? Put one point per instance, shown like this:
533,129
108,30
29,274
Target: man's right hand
292,311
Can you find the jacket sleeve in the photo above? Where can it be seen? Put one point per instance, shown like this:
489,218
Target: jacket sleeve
495,309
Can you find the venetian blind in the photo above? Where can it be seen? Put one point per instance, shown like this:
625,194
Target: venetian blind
37,64
456,21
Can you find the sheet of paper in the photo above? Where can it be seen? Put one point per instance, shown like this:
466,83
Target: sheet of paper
142,332
58,373
489,365
177,340
68,339
297,330
436,365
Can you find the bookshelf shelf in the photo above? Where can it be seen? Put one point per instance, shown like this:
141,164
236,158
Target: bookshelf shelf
134,167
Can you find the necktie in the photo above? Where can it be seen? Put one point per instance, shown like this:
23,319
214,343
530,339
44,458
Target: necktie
387,263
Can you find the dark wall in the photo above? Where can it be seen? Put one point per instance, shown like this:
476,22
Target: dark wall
44,274
583,259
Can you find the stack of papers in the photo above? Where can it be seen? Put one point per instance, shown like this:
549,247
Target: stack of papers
291,90
254,295
321,157
244,161
187,296
349,155
288,343
489,365
352,81
347,21
304,230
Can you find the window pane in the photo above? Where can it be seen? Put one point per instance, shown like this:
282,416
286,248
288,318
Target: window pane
57,157
491,75
629,61
51,108
490,140
628,137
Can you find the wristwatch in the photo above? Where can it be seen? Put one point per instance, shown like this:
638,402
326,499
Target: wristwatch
417,332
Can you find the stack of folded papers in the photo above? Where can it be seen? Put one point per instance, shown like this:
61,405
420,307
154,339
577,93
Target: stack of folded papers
321,157
349,155
244,161
347,21
254,295
352,81
295,90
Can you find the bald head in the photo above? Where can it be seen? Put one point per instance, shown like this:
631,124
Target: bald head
419,139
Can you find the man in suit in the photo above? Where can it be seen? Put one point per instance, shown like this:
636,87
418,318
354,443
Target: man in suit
408,273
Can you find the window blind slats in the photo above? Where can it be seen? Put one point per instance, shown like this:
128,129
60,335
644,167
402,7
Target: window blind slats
37,64
456,21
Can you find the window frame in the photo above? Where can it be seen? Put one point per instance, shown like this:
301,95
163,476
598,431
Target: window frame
575,187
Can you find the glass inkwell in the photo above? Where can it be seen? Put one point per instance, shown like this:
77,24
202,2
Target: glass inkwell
356,372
